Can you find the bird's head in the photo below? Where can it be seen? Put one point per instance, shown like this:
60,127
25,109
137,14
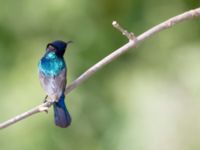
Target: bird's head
58,47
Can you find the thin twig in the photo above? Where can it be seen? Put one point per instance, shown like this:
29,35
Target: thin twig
124,32
131,44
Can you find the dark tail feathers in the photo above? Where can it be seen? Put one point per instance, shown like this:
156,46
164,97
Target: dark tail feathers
61,114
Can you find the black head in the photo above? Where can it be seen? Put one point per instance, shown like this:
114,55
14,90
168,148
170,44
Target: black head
58,46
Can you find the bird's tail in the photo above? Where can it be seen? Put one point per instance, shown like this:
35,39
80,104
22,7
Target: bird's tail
61,114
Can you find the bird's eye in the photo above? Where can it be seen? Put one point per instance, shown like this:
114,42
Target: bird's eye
50,48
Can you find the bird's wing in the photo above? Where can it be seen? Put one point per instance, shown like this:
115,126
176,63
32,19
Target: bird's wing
54,86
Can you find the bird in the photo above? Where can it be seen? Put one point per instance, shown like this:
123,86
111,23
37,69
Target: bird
52,75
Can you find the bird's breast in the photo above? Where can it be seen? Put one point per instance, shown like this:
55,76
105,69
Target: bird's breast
51,67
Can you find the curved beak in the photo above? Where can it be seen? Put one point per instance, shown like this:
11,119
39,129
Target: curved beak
68,42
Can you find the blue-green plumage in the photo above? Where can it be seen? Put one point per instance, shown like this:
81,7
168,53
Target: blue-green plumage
52,74
51,64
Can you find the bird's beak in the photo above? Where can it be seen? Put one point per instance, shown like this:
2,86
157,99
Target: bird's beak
68,42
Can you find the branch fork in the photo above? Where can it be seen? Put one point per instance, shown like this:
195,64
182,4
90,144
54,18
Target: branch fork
129,35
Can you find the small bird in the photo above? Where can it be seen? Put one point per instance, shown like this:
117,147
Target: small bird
52,75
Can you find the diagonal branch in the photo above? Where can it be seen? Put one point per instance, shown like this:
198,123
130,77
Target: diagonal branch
133,41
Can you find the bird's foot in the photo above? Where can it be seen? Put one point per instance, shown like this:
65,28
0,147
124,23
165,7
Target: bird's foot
45,109
45,99
50,99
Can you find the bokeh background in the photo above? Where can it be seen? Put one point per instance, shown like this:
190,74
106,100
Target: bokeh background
148,99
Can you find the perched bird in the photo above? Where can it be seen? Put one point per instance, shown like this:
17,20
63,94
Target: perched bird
52,75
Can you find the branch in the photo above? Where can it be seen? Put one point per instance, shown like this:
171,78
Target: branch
133,41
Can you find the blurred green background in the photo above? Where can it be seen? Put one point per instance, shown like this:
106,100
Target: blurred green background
148,99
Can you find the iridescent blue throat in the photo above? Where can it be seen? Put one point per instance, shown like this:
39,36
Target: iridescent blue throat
51,64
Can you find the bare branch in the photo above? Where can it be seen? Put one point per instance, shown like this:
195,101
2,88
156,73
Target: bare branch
131,44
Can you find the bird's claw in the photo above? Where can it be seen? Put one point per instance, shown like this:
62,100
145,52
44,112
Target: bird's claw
45,99
48,99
